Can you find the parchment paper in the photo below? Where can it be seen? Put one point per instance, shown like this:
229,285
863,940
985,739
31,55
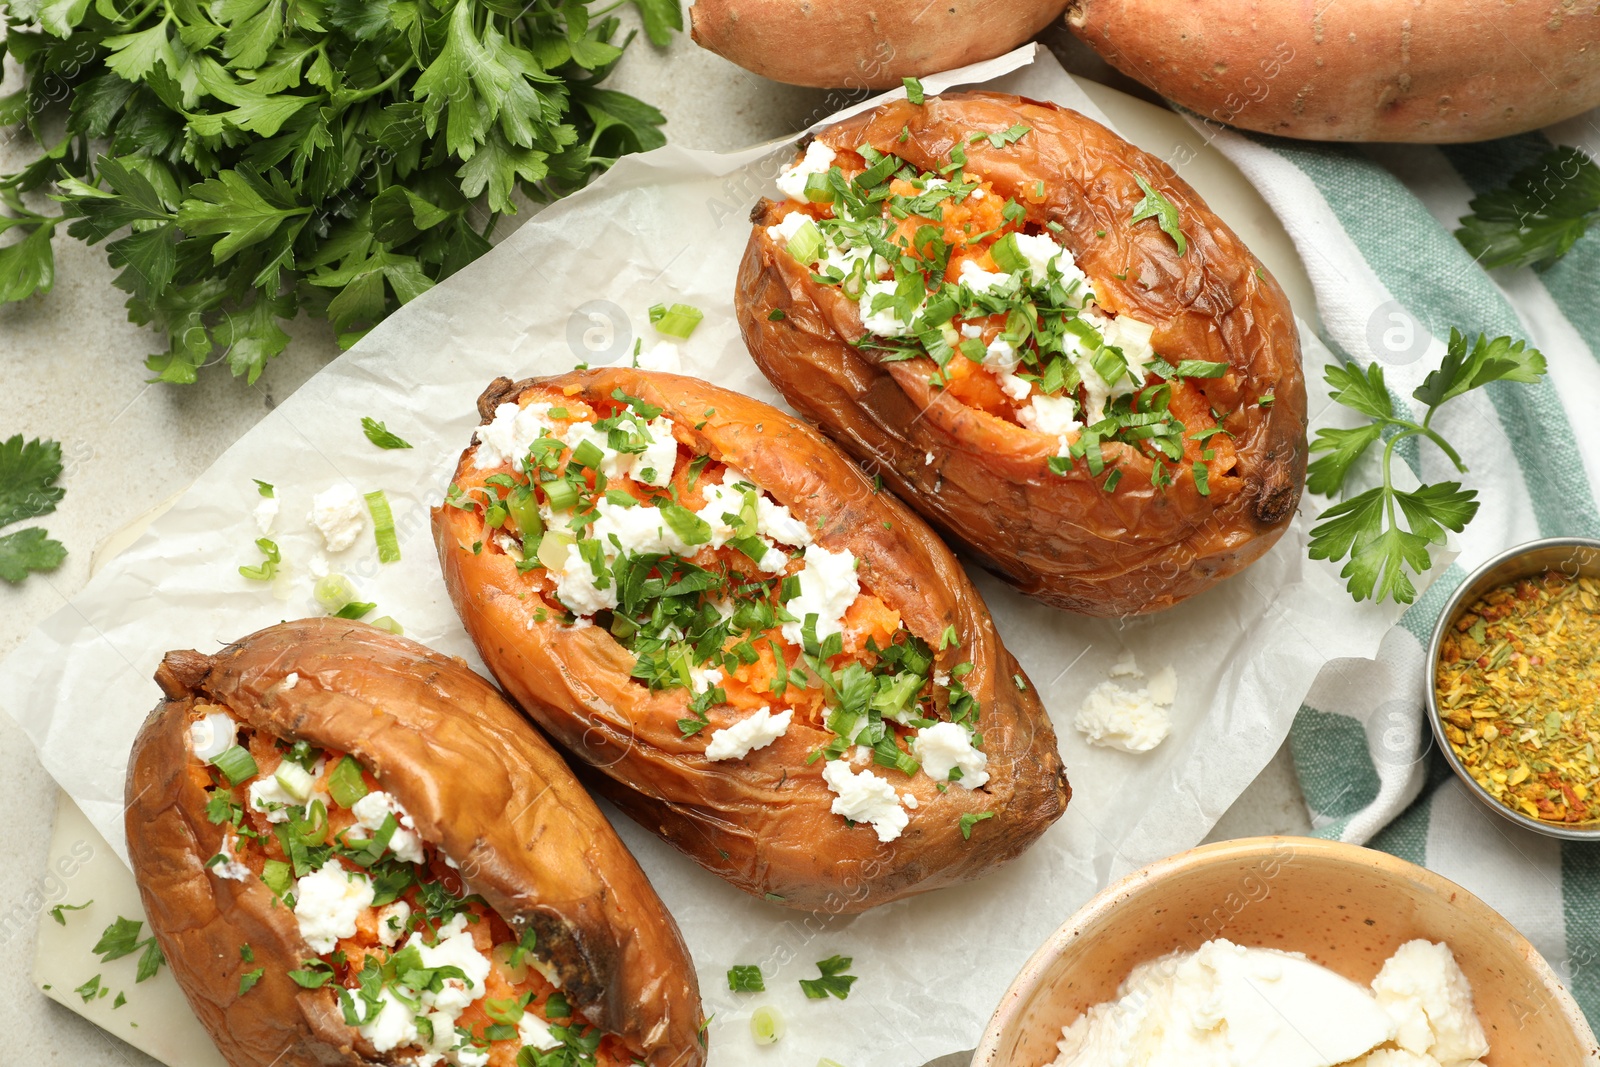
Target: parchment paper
574,286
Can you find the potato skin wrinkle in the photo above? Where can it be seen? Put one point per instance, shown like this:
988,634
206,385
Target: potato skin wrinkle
848,44
1358,70
988,487
479,783
764,822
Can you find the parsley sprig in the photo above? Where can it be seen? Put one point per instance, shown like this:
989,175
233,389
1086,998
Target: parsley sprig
834,982
264,158
28,489
1538,215
1366,529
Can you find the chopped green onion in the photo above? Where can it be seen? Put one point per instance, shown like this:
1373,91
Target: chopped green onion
819,190
588,454
383,526
746,978
355,609
264,488
386,622
767,1025
525,509
563,495
806,245
1007,256
268,569
277,876
345,784
380,435
775,315
1201,368
236,764
333,592
677,321
1266,400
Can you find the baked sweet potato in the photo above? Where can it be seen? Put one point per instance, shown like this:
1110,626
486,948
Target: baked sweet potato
1358,70
764,660
1041,338
324,818
835,44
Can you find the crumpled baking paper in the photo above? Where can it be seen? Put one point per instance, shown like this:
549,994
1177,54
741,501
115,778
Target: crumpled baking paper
574,286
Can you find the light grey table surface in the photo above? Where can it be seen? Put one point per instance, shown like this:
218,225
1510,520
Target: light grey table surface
71,369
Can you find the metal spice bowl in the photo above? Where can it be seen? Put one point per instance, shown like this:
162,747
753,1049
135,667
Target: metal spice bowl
1573,556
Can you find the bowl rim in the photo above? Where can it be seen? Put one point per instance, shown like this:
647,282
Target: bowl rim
1015,999
1453,607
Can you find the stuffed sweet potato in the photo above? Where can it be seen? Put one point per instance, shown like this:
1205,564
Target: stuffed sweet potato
353,851
764,660
1041,338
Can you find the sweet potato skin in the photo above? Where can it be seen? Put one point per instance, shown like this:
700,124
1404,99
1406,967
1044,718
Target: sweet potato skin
478,782
1368,70
987,485
763,823
833,44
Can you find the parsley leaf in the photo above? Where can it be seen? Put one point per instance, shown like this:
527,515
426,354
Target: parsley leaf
1155,206
971,819
833,982
746,979
119,939
380,435
55,912
28,473
1365,530
26,551
1538,215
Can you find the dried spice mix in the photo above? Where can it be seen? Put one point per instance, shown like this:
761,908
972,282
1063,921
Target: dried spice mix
1518,683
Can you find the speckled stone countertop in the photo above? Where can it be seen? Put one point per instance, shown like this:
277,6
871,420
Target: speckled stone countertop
71,368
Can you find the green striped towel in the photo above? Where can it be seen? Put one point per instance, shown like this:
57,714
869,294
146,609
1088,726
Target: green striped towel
1373,226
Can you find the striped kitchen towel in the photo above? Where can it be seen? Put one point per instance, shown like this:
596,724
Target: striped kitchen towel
1374,226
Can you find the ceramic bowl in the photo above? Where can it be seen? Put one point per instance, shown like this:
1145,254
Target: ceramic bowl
1347,908
1570,555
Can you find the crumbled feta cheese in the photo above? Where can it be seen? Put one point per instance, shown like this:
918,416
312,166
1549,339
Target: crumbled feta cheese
722,499
267,794
339,515
1164,686
455,948
636,529
1126,667
1015,386
748,734
1051,415
319,566
862,796
392,919
654,466
944,746
927,460
535,1032
661,356
979,280
1422,989
703,678
266,513
1126,719
828,586
471,1056
392,1025
229,869
1043,252
971,331
788,226
613,464
885,322
328,901
909,800
977,193
792,179
774,560
371,810
577,588
506,437
1128,335
775,521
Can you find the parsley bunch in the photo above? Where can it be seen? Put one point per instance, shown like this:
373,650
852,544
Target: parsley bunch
1538,216
264,157
1365,529
28,473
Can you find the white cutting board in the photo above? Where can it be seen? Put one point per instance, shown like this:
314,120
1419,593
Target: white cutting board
155,1019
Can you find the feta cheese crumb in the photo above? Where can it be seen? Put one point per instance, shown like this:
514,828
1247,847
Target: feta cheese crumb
371,810
862,796
1133,720
534,1031
506,437
788,226
979,280
945,746
339,516
1430,1000
748,734
455,948
828,586
328,901
792,179
654,466
229,869
266,513
661,356
392,919
392,1025
909,800
885,322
